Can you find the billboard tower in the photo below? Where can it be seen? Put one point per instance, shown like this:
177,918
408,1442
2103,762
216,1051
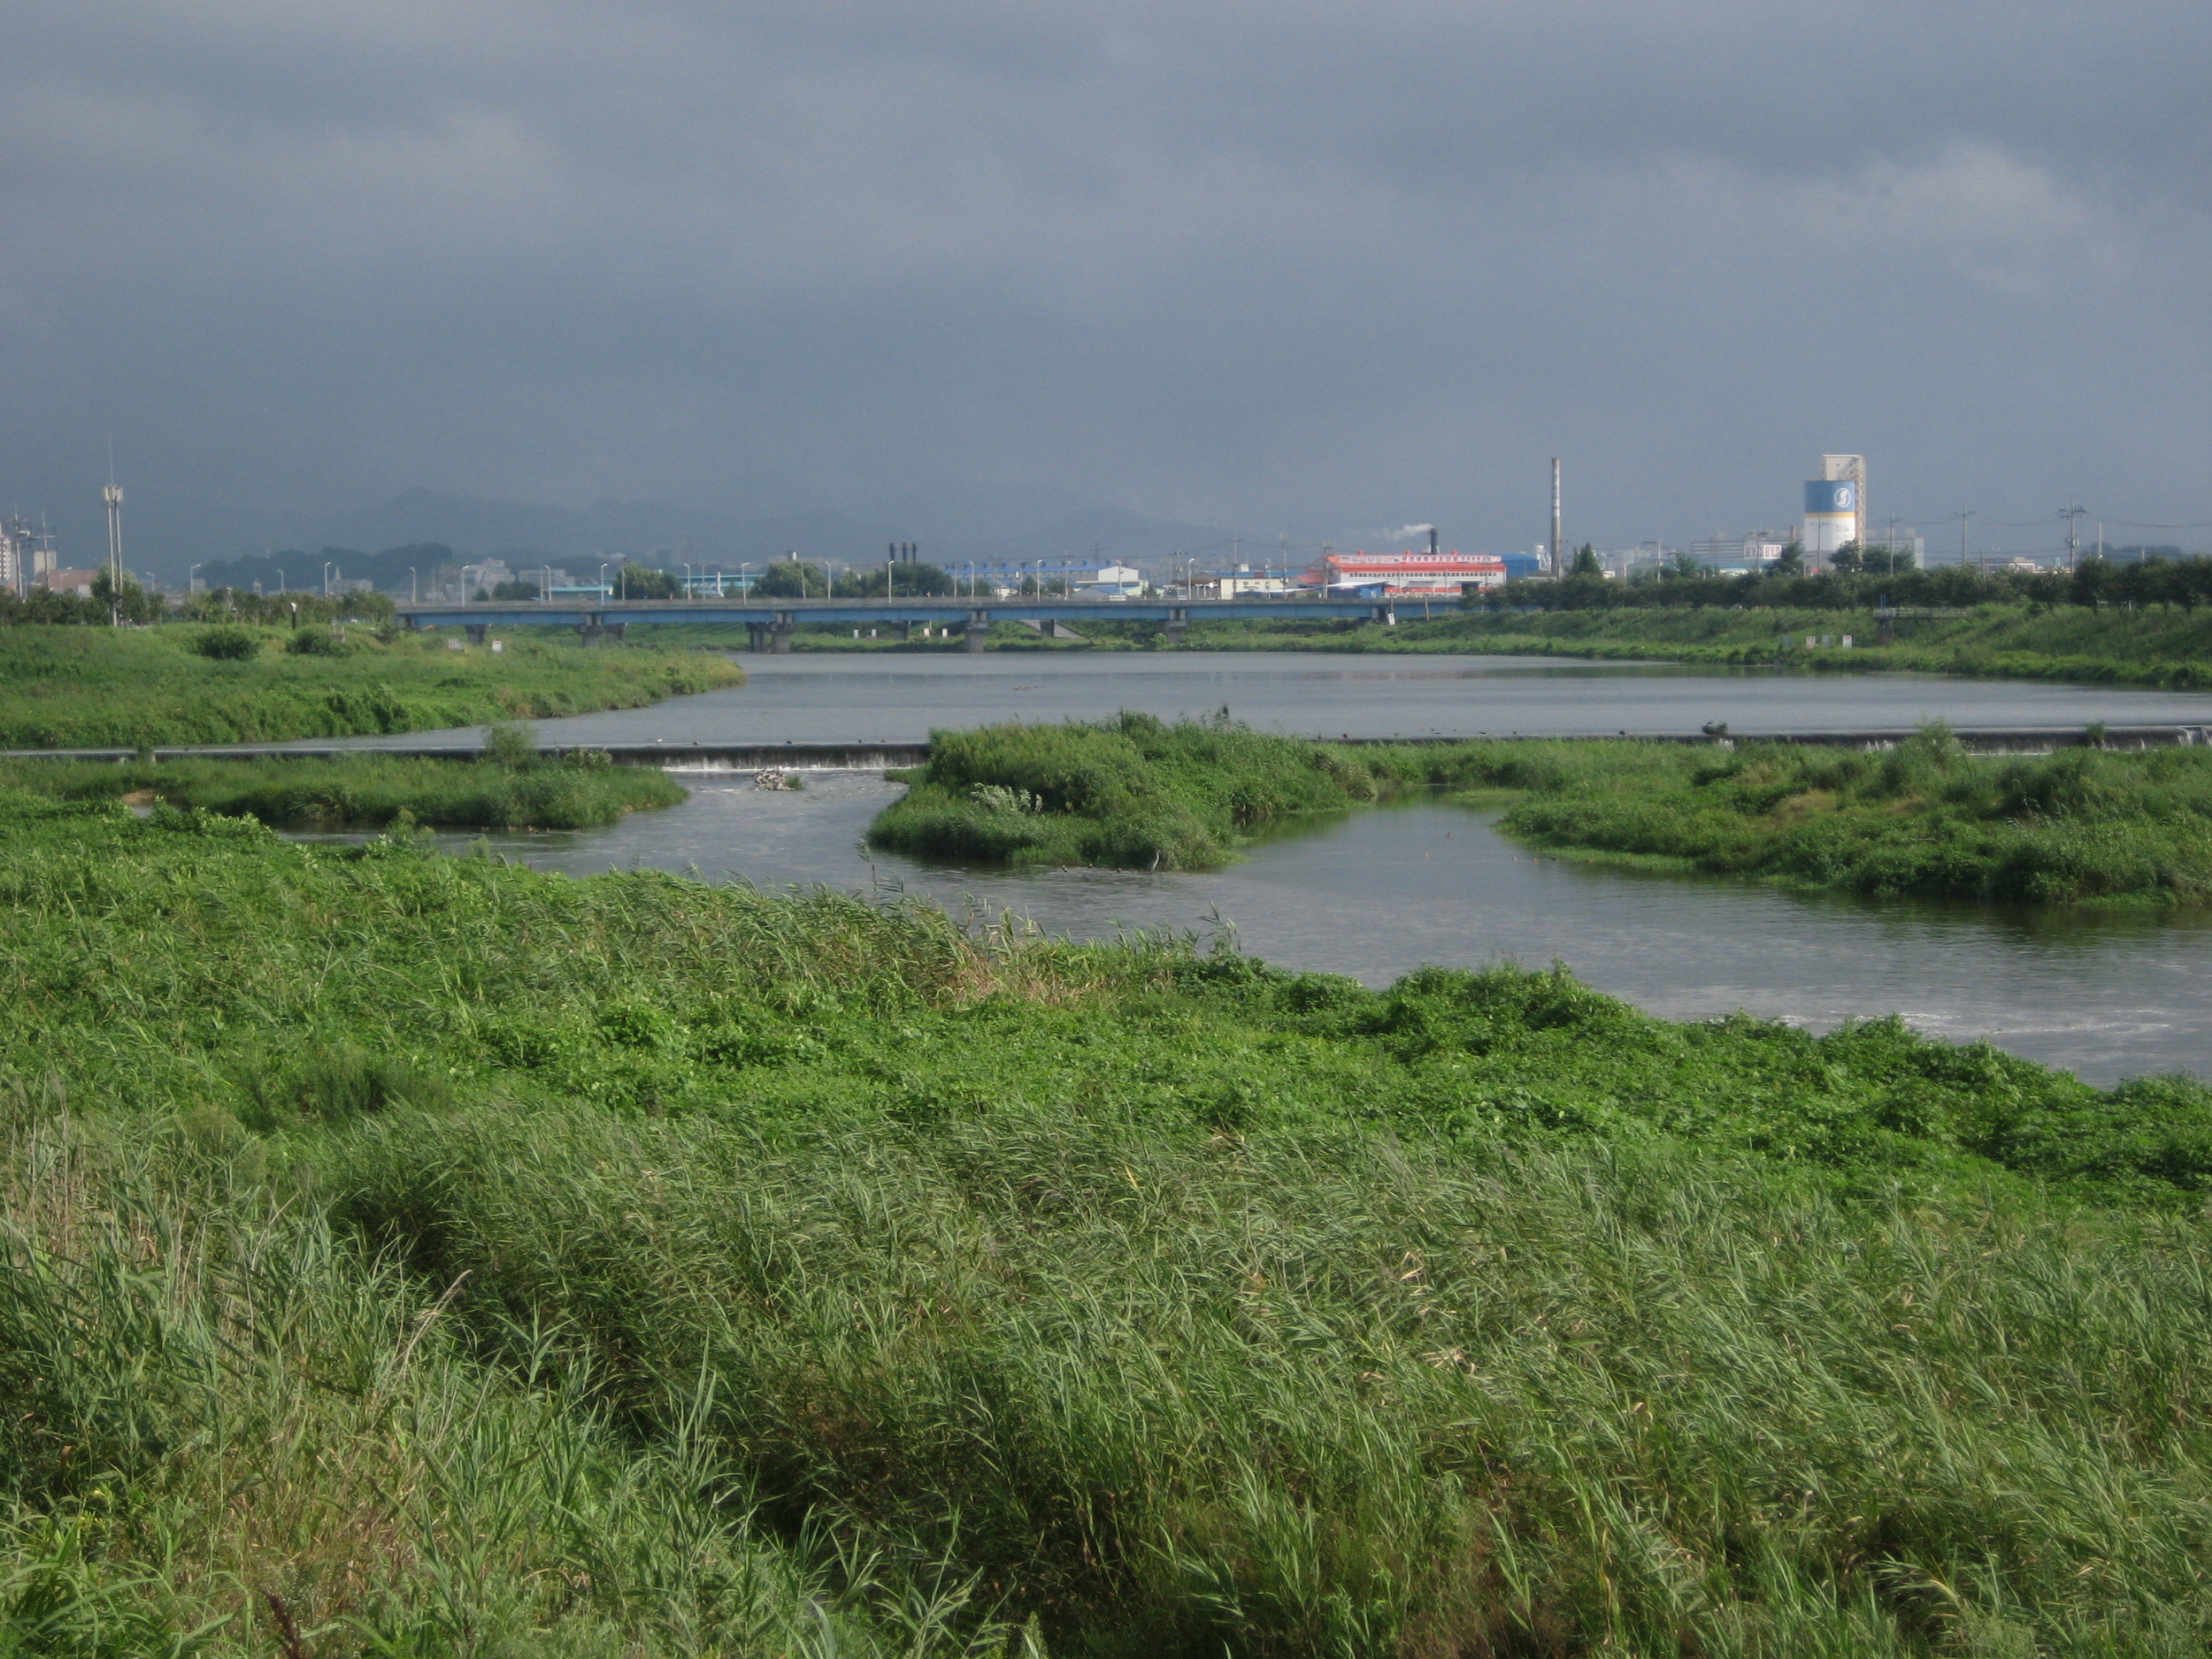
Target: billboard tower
1835,506
1851,469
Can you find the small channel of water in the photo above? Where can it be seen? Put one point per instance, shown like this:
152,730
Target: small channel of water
1379,892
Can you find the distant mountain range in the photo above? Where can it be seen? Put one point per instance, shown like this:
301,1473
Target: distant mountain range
420,527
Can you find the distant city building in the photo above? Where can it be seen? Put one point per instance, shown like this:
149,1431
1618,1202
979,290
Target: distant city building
1738,555
1416,575
484,577
1113,581
78,583
28,553
1244,582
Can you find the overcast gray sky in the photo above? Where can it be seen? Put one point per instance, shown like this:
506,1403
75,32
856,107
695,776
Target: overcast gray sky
1289,267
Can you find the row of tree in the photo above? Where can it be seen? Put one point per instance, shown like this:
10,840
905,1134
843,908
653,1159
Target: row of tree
1860,582
132,603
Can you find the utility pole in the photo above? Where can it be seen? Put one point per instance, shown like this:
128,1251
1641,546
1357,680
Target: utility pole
2073,517
112,496
1558,568
1962,515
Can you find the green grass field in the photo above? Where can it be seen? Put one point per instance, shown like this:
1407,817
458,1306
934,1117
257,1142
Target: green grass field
427,1256
98,687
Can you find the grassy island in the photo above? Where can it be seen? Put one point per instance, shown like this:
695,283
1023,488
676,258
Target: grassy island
1134,792
420,1255
182,684
2080,825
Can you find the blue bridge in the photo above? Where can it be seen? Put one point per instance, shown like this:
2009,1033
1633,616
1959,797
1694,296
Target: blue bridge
769,622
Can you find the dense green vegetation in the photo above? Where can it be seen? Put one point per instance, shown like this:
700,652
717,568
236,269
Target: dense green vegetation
231,682
425,1256
508,790
2080,825
1133,792
2167,647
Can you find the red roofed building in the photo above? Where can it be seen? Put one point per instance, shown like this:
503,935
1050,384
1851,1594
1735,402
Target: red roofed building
1417,576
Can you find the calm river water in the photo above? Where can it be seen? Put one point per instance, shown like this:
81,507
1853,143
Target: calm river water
1376,893
874,698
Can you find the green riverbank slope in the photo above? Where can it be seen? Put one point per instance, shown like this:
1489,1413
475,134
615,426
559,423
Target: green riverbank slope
2078,826
187,683
512,788
2163,647
420,1255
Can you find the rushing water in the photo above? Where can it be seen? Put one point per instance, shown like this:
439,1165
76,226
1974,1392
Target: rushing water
1377,893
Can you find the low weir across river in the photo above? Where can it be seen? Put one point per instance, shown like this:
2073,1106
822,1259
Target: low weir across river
702,756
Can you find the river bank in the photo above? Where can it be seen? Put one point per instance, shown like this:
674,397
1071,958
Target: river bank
510,788
71,687
712,1251
2162,647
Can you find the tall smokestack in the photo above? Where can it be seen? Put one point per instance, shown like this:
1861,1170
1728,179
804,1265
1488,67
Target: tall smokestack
1558,553
1432,541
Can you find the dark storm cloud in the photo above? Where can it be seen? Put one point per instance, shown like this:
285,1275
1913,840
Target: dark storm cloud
1290,265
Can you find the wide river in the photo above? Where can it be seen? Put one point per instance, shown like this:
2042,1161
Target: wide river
1375,893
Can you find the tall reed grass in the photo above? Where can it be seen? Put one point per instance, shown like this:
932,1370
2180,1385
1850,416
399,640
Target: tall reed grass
481,1262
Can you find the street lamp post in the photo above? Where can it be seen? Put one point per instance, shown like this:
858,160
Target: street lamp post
602,579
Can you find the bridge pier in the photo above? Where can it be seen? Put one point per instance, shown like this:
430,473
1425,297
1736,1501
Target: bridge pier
1387,615
756,636
476,632
979,627
590,631
1178,619
779,635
